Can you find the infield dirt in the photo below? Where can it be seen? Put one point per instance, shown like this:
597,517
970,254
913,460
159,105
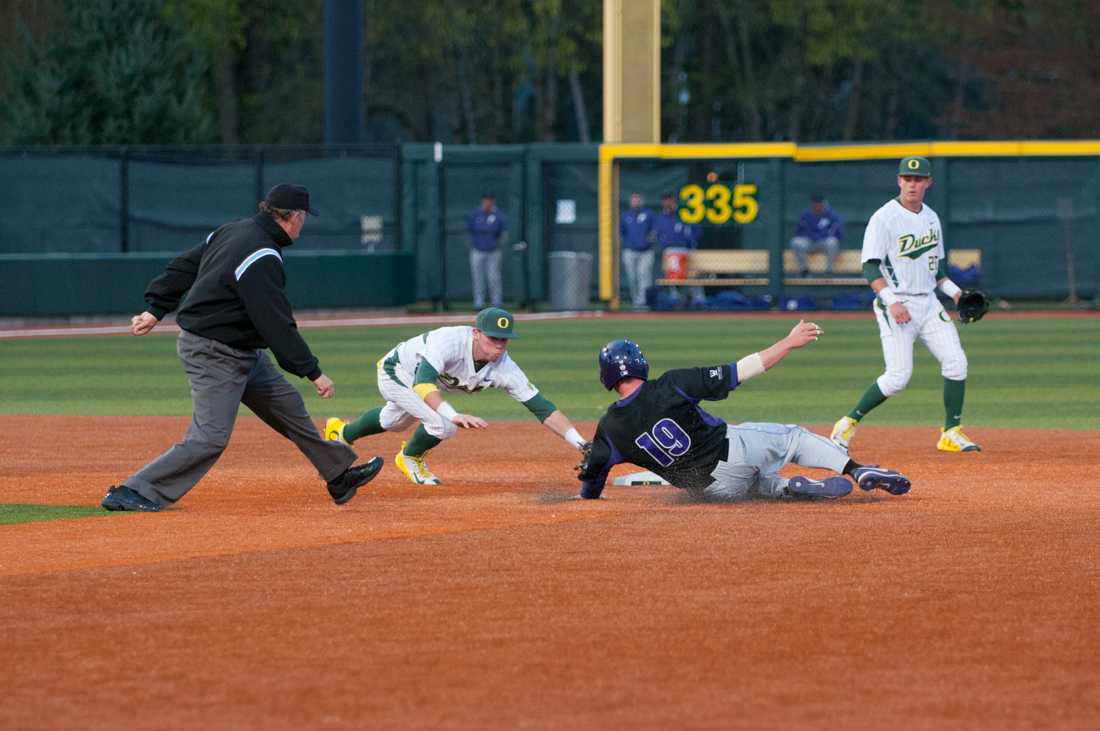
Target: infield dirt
494,601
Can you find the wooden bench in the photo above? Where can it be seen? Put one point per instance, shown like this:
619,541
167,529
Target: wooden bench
740,267
750,268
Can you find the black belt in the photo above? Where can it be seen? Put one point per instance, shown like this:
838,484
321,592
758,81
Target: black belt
724,456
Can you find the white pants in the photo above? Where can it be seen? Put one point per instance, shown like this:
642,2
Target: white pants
638,271
757,451
803,245
486,265
404,408
932,326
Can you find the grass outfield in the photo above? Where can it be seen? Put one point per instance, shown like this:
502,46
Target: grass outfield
1033,373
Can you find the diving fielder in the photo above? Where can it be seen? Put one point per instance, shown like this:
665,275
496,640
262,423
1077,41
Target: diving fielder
660,425
463,358
903,259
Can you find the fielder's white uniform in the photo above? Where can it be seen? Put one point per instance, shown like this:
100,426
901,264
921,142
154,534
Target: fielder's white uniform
910,248
449,350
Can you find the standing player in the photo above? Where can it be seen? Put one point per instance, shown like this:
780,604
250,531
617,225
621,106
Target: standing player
460,358
903,259
671,232
636,241
660,426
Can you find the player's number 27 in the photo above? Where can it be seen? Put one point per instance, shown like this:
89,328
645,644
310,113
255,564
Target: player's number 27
718,203
664,442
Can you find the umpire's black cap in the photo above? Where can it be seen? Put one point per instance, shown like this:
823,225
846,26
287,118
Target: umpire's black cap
290,198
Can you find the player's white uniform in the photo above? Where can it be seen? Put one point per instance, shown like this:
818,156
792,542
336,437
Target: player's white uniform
449,350
910,247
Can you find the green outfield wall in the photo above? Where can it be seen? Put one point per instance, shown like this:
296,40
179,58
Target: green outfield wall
80,284
98,218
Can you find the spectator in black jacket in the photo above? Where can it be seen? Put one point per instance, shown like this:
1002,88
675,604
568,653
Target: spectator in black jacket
234,306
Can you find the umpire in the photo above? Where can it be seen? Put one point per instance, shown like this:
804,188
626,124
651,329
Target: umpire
233,307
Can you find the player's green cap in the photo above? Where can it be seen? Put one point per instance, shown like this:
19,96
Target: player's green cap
915,165
496,322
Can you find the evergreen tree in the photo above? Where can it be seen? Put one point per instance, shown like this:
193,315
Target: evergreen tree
113,73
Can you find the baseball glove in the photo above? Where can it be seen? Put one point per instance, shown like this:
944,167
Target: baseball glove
973,304
582,466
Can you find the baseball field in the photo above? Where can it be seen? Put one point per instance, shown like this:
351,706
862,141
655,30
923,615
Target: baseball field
495,601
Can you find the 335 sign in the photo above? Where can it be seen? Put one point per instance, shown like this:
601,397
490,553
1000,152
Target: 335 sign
718,203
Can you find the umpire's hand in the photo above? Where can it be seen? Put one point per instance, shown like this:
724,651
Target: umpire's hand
142,324
325,387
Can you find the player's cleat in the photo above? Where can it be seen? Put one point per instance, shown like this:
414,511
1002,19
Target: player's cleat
120,497
843,431
953,440
836,486
872,476
415,468
334,430
344,487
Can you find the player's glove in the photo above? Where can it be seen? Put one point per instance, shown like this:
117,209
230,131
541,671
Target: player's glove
973,304
582,466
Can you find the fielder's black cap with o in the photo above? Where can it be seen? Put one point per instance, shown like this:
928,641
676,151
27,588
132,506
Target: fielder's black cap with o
496,322
915,165
290,198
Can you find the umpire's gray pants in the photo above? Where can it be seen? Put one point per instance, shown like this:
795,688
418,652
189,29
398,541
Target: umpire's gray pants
486,265
757,451
222,378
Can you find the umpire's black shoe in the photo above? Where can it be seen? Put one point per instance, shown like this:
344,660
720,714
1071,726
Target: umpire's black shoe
344,487
120,497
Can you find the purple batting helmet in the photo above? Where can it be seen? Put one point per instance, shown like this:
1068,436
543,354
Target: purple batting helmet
619,359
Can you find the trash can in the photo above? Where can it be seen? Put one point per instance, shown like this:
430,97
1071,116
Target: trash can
570,280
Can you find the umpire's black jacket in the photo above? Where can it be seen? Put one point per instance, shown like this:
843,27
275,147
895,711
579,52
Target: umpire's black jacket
232,287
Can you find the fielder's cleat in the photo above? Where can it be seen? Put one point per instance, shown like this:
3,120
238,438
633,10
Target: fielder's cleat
953,440
344,487
836,486
334,430
120,497
872,476
843,431
414,468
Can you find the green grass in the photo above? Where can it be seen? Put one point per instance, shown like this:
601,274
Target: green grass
15,513
1036,373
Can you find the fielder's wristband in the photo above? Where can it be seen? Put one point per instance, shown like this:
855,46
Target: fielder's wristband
887,296
949,288
446,411
573,437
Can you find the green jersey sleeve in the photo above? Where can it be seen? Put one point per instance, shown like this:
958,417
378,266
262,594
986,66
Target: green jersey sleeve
540,406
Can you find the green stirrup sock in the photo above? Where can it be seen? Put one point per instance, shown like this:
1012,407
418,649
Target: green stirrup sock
953,394
871,398
420,442
367,424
